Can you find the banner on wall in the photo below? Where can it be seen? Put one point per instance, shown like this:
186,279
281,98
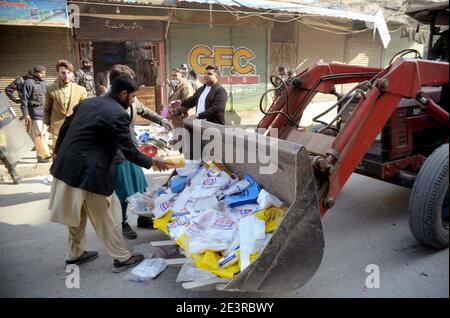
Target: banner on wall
34,13
235,64
239,71
240,53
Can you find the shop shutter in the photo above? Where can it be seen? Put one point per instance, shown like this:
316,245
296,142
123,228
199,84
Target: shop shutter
314,45
24,47
363,49
399,43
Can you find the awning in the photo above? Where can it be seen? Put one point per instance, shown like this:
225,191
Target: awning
166,3
272,6
425,13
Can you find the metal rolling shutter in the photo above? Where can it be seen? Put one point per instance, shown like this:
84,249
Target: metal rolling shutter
23,47
364,50
397,44
314,45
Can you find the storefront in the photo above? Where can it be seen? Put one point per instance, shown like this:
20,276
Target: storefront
239,52
33,33
136,43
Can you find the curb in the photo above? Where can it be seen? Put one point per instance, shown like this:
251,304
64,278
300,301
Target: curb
26,170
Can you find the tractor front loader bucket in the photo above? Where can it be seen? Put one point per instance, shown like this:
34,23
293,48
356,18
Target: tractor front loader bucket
295,251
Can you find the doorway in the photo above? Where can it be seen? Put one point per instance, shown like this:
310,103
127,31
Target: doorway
144,57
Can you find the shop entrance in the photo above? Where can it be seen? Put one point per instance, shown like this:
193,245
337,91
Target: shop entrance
144,57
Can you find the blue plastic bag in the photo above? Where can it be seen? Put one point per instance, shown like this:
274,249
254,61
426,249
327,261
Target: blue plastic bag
247,196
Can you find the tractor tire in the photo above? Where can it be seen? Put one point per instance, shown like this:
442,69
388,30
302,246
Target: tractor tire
328,132
428,205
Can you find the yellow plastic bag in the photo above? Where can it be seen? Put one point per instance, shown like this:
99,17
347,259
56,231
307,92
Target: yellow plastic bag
253,257
209,261
272,216
161,224
183,242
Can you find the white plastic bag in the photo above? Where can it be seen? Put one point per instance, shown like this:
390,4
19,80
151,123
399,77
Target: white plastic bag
198,192
140,204
200,223
251,238
177,232
203,204
243,210
147,270
210,230
179,203
236,187
266,200
218,182
163,204
178,227
221,228
199,245
191,273
200,176
189,169
234,244
48,180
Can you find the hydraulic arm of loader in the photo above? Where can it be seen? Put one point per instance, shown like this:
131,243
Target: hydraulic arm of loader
336,158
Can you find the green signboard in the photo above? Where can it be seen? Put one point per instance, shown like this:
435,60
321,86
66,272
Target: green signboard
239,52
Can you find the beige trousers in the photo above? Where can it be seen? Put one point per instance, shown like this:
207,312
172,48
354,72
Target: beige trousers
36,130
105,215
72,207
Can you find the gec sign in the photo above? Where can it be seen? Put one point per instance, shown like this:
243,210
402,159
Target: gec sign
237,59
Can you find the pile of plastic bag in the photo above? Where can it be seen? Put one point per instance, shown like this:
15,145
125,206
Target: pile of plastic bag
153,138
221,222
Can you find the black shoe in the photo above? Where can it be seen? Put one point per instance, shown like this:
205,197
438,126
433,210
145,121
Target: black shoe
128,232
84,258
134,260
15,177
40,160
145,222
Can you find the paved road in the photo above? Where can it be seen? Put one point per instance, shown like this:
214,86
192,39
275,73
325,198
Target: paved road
368,225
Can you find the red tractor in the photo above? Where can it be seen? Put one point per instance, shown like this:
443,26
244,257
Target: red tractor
393,126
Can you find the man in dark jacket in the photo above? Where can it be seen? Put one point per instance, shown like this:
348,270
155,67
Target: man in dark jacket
17,85
129,178
83,171
32,105
210,99
85,77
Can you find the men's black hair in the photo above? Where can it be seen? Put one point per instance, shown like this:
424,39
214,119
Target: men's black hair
120,69
193,74
124,83
213,68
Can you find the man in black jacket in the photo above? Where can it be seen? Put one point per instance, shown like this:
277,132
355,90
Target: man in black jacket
83,171
210,99
32,105
17,85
